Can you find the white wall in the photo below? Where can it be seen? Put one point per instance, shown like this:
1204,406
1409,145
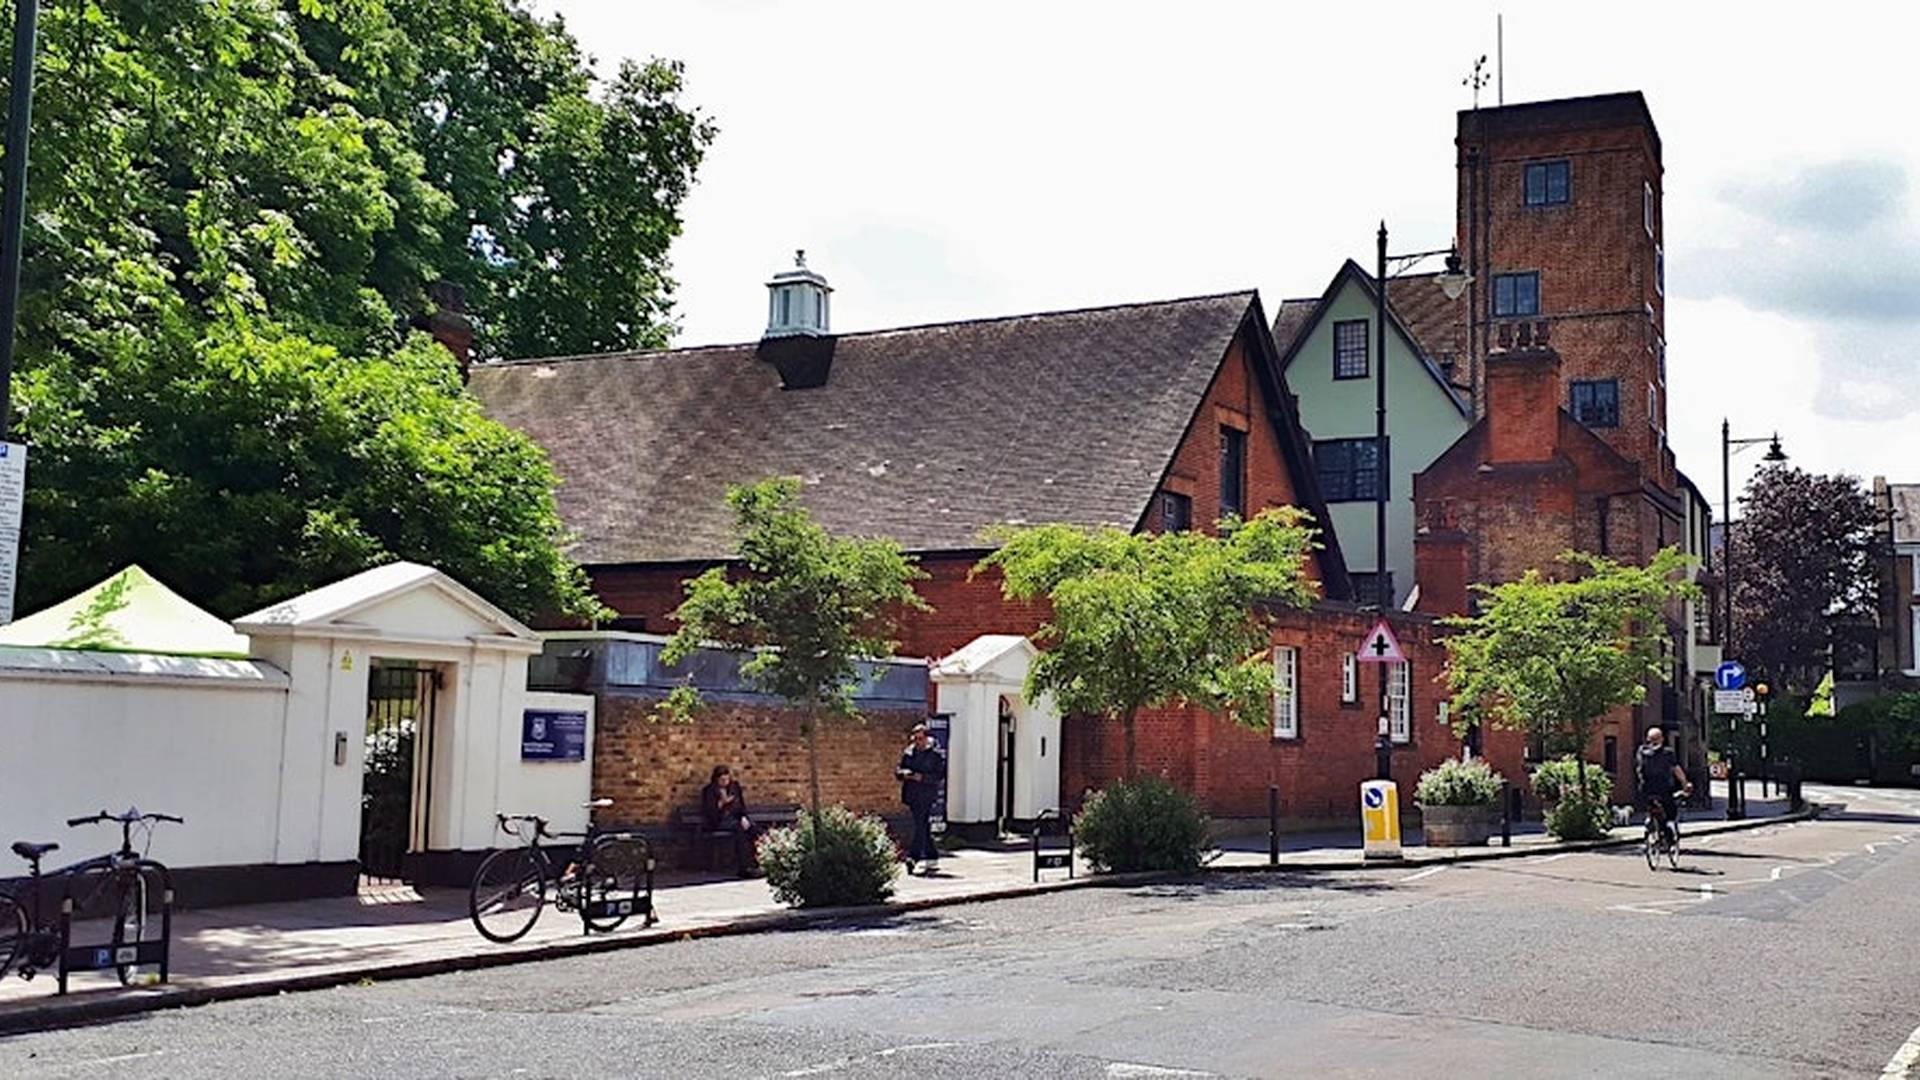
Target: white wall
552,789
207,750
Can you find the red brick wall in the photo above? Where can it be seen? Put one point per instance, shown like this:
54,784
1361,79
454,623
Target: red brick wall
654,769
1595,258
1235,400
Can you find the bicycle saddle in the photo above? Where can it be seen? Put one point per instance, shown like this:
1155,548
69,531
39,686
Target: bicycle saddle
30,851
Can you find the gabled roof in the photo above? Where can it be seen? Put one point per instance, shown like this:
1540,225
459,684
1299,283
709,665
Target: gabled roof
337,608
1413,293
926,435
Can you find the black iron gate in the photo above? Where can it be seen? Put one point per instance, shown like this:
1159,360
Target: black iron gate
397,788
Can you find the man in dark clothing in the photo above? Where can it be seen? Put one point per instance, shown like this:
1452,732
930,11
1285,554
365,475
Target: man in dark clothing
1660,777
723,802
922,767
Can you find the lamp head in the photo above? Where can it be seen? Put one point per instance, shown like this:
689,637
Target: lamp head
1454,280
1774,453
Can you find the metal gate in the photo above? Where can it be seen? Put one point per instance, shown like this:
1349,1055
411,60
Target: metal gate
397,786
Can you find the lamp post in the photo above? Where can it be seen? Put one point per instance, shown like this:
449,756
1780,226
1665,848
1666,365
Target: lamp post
1736,801
1453,281
13,204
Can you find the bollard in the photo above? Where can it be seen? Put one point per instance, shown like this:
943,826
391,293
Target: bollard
1506,812
1273,825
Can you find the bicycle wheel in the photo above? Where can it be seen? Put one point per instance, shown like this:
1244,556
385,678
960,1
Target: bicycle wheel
13,932
1650,847
508,892
1673,850
130,924
611,878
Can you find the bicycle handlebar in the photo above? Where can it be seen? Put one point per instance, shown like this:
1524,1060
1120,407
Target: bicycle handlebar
128,818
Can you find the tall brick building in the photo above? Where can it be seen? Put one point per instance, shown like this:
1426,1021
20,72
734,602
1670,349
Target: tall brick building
1560,220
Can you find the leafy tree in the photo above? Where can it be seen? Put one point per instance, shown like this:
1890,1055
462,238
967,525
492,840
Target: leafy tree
236,210
1552,657
808,605
1141,621
1803,574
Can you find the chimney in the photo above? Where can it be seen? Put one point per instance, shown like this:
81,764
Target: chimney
798,341
1523,403
1442,570
449,324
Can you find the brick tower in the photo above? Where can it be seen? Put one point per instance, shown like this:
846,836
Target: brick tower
1559,214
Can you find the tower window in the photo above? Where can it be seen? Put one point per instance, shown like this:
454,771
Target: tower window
1646,207
1516,294
1350,349
1547,183
1595,402
1659,270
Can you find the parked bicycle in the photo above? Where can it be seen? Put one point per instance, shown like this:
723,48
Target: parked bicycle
1660,840
124,884
608,880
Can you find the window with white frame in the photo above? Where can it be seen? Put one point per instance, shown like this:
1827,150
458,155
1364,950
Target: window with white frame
1399,702
1646,208
1916,572
1913,645
1653,407
1349,679
1286,692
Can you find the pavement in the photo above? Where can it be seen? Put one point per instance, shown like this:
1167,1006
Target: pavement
398,931
1778,951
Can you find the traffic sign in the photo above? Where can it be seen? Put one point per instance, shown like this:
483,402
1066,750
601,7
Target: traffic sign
1730,675
1733,702
1380,646
13,495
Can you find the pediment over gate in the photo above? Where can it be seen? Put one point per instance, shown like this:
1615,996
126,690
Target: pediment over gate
398,602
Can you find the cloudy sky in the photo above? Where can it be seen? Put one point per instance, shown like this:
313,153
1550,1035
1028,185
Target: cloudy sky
947,161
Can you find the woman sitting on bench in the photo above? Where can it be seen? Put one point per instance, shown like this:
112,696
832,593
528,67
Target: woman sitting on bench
723,802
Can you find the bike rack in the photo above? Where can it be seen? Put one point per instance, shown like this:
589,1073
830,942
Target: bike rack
1053,859
625,907
102,957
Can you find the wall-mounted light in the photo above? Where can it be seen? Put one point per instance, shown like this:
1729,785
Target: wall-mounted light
339,748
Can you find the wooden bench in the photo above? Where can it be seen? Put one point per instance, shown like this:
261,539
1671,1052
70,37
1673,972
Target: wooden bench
701,844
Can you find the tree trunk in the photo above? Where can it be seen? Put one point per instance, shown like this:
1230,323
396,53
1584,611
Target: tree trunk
1133,759
813,761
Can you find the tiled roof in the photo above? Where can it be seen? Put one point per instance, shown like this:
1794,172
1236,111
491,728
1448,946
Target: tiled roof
1291,319
926,434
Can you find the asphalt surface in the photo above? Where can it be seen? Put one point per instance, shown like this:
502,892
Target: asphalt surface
1787,951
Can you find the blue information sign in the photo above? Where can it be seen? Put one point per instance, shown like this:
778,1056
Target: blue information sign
553,735
1731,675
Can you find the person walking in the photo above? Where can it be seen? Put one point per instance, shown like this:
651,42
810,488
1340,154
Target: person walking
922,768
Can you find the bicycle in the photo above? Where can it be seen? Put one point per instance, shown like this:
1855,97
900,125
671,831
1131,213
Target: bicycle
125,876
610,879
1661,841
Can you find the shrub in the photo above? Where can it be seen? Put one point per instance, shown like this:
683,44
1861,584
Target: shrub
1142,824
1458,783
1571,813
847,860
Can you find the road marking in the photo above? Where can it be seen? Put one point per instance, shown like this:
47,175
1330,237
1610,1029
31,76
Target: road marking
840,1063
1901,1065
1418,874
117,1058
1128,1068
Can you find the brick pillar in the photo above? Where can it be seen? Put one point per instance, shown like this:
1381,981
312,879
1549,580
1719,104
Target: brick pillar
1523,405
1440,560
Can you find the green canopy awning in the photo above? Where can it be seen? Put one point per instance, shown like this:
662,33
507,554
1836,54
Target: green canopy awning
128,612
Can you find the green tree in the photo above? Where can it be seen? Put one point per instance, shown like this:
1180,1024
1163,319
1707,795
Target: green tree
1552,657
809,606
1141,621
1804,581
236,210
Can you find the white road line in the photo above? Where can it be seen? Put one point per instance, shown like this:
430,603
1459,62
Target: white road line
1901,1065
1418,874
117,1058
840,1063
1128,1068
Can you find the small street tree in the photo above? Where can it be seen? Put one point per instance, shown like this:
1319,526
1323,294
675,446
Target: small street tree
808,605
1141,621
1803,574
1551,658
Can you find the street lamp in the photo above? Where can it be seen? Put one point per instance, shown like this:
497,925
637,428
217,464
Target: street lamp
1736,801
1453,281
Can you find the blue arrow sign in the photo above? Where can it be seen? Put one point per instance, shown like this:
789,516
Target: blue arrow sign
1731,675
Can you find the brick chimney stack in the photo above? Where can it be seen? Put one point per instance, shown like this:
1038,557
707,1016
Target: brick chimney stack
449,323
1523,401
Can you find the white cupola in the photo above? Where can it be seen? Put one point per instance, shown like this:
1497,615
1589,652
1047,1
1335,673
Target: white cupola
797,302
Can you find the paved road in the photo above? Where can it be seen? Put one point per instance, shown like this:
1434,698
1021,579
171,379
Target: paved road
1787,951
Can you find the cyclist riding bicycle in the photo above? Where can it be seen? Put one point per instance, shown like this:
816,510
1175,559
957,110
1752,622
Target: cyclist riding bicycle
1661,779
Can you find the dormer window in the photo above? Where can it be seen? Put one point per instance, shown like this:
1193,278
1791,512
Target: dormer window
797,302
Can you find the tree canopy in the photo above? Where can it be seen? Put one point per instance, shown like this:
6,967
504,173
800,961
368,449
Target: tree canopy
1551,657
1804,579
1141,620
810,607
236,211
